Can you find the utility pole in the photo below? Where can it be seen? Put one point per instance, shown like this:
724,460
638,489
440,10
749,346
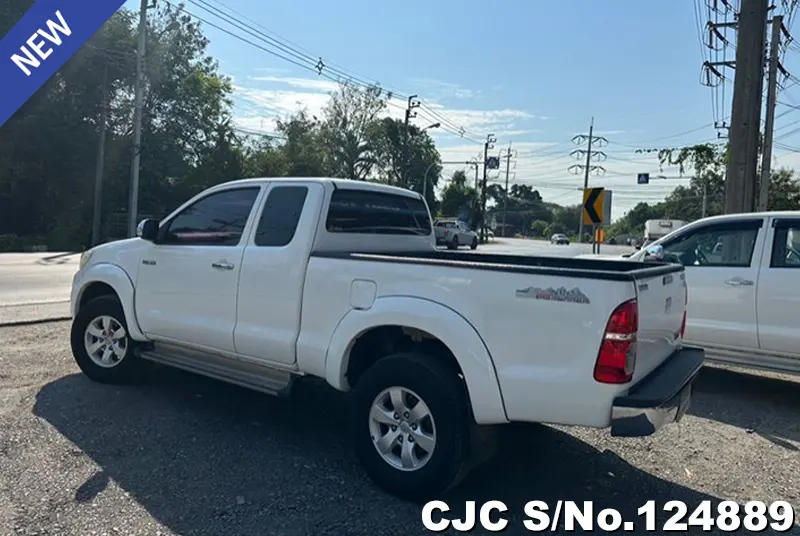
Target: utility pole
412,103
508,156
133,204
97,214
490,141
587,168
769,126
746,108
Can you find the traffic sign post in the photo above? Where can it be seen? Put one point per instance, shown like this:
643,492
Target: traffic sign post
593,206
599,238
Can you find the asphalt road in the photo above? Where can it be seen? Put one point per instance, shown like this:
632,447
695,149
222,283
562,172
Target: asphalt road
190,456
37,286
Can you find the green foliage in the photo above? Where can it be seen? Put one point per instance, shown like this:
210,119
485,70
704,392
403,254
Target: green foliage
48,149
459,200
706,163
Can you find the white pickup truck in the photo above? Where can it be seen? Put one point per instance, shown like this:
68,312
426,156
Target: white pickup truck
261,281
743,272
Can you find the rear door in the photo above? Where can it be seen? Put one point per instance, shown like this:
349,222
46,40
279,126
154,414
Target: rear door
721,260
779,289
274,270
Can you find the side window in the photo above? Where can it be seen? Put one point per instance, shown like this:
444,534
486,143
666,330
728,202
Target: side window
280,216
215,220
362,211
786,245
727,244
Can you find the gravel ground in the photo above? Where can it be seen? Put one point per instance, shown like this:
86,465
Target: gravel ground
186,455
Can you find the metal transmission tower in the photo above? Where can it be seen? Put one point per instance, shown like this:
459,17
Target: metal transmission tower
590,155
715,37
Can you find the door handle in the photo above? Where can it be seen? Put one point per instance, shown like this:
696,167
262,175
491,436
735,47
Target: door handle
222,265
739,282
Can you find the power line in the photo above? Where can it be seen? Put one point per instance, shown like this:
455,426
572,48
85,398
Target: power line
304,60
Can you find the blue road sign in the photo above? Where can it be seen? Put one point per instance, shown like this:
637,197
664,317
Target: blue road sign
493,162
643,178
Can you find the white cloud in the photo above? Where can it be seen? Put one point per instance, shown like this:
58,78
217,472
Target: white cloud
303,83
439,89
262,100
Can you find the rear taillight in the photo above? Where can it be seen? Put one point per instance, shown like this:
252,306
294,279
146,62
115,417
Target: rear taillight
617,356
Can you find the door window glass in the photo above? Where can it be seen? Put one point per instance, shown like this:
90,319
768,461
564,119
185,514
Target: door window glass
786,245
721,245
362,211
280,216
215,220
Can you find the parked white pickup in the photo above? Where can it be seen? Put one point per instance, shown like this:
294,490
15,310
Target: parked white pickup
743,272
258,282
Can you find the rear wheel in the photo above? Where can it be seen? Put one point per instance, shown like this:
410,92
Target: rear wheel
454,243
102,346
474,244
411,426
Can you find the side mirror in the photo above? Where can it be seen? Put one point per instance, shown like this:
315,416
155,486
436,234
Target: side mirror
147,230
655,252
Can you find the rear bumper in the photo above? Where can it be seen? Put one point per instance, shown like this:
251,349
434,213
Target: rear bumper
659,399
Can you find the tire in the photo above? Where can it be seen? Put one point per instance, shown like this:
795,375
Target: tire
123,366
442,391
474,244
453,244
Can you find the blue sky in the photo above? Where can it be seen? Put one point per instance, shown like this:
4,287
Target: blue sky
529,71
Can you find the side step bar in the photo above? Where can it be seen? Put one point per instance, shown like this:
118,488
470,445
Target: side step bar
249,375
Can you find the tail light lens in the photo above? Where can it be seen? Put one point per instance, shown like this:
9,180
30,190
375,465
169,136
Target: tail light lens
617,356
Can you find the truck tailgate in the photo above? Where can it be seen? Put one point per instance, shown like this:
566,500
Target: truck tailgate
662,303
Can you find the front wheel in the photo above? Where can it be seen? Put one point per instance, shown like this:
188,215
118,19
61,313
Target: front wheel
411,426
102,346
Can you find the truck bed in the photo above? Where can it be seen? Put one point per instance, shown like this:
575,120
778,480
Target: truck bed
612,270
542,319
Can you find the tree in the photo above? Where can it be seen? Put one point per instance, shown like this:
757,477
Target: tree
349,117
460,200
459,178
784,190
707,163
539,228
387,138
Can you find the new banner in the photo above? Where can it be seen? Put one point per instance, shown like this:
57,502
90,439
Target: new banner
42,41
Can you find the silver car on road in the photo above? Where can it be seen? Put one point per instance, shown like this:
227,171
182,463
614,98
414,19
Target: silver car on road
454,233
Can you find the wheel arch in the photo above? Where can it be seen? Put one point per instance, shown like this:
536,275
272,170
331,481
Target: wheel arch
106,279
399,323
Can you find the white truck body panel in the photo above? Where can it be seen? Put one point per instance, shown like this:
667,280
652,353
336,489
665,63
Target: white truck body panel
753,324
525,331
